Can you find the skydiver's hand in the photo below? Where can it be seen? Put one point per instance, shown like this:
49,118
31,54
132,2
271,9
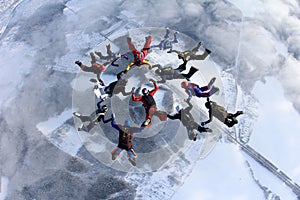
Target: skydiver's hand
152,80
132,89
138,90
113,116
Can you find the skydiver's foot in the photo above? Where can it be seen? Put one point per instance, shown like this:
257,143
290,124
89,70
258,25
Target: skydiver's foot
211,82
207,51
239,113
176,37
147,122
132,161
170,51
80,127
114,156
78,63
98,53
195,137
76,114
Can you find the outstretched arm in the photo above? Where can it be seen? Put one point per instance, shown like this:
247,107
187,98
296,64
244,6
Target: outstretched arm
135,98
137,129
189,108
189,92
152,92
173,117
115,125
125,93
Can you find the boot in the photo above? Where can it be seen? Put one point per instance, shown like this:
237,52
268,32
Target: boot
211,82
207,51
238,113
192,71
132,161
76,114
78,63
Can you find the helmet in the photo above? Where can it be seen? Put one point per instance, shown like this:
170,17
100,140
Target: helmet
104,107
184,84
127,122
145,91
178,108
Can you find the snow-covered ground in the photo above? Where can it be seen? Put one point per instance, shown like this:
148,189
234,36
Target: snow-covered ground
61,135
276,133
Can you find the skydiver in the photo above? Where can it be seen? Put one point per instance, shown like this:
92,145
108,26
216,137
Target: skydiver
93,119
191,54
193,89
187,120
168,73
95,68
166,43
150,104
125,140
139,56
115,87
215,110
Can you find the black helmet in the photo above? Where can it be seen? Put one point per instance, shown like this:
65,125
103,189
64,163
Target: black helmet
145,91
104,107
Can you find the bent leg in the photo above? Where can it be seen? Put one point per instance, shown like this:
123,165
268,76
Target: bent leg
130,44
148,42
93,57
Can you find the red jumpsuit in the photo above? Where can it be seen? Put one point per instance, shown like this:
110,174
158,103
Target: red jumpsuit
150,104
139,56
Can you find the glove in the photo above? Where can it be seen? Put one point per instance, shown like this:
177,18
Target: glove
152,80
132,90
78,63
113,116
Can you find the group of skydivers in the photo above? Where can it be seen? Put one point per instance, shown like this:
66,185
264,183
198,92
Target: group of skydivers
126,131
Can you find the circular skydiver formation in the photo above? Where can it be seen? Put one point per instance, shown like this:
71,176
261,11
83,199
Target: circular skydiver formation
158,138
